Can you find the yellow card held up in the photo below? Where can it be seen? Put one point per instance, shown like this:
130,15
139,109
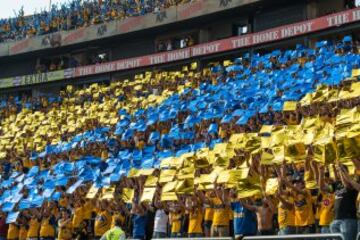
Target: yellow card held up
148,194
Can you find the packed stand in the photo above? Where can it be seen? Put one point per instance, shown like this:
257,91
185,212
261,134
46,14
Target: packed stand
75,14
217,152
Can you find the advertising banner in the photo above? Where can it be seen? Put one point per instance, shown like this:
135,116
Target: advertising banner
36,78
270,35
131,24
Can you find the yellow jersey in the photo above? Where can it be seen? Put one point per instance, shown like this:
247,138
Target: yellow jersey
195,221
23,233
286,217
304,213
34,226
78,217
209,213
88,210
221,214
326,209
63,202
175,221
46,228
117,216
65,232
13,232
102,223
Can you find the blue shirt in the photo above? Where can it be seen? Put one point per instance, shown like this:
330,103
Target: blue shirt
139,225
244,220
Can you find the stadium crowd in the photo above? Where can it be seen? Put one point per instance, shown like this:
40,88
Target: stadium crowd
76,14
266,144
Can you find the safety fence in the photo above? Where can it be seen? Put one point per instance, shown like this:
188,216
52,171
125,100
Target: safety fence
200,238
332,236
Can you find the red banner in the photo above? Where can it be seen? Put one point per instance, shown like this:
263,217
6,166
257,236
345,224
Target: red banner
274,34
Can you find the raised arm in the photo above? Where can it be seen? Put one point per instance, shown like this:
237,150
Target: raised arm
356,163
248,206
348,181
286,203
270,204
295,189
321,181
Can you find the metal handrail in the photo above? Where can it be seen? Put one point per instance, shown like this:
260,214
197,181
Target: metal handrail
200,238
298,236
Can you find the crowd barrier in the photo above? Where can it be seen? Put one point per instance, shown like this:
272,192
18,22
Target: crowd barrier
201,238
333,236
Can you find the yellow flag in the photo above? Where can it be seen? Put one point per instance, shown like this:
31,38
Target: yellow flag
224,177
355,72
127,195
325,151
151,181
108,193
246,193
271,186
185,186
169,196
145,172
167,175
289,106
194,66
169,187
266,128
148,194
92,192
227,63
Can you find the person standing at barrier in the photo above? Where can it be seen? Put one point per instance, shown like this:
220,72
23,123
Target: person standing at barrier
13,231
115,233
265,211
326,202
175,219
102,220
34,224
78,213
48,223
3,226
286,213
244,220
303,206
209,212
161,220
65,226
346,191
139,220
196,214
220,224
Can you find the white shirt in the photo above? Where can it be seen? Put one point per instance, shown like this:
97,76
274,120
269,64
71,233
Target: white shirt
160,222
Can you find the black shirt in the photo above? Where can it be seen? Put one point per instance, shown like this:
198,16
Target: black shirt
345,201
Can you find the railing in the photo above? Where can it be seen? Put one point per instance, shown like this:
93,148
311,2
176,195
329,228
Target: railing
332,236
200,238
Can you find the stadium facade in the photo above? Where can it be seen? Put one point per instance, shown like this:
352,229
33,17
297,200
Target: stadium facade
218,29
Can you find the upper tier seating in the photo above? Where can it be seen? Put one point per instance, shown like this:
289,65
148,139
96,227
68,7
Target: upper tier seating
255,110
77,14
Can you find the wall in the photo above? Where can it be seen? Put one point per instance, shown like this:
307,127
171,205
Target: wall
325,7
115,28
279,15
132,48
